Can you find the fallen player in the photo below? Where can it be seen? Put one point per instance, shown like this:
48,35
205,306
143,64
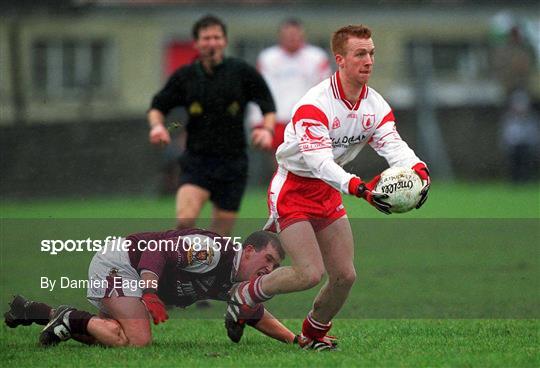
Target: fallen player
131,288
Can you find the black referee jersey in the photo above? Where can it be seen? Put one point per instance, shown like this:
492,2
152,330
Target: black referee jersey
215,104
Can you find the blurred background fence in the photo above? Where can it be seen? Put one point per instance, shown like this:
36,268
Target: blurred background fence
77,77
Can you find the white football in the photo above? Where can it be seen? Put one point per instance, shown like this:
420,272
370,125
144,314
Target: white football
403,186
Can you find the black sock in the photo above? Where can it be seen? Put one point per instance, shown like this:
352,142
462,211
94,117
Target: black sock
78,321
39,313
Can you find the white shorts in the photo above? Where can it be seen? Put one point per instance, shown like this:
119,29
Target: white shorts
111,274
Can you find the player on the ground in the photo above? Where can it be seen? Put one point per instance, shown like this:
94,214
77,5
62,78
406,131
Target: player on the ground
290,68
330,125
131,288
214,91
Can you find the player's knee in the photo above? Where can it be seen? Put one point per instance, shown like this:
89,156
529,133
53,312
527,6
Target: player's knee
140,340
115,334
309,279
140,337
345,278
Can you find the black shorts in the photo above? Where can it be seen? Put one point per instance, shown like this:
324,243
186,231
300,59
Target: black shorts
224,178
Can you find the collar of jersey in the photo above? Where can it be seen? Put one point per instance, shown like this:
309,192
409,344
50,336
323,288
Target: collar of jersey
339,94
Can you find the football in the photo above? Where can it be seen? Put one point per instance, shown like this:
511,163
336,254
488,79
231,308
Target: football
403,187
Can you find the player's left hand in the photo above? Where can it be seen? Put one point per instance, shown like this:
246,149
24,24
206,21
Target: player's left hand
154,305
262,138
423,172
373,182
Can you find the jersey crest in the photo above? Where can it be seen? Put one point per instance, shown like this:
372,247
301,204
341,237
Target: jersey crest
195,109
368,120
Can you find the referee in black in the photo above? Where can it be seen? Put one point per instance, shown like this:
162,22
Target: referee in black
215,91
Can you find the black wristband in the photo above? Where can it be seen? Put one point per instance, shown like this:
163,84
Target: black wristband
361,189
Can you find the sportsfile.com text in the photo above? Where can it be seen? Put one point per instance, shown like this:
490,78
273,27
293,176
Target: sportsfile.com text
116,243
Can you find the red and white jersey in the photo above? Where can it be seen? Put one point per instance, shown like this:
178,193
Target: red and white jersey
327,131
290,75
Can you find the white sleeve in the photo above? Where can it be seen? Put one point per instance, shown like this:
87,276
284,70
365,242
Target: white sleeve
388,144
316,148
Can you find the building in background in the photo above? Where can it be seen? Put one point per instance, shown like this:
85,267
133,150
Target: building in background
86,69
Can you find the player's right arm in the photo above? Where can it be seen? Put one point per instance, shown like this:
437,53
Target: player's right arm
158,132
311,129
313,137
150,267
166,99
272,327
260,319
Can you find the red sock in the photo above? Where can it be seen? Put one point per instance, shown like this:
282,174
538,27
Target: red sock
314,329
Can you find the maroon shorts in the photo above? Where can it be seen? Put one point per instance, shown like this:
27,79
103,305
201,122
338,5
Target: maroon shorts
293,198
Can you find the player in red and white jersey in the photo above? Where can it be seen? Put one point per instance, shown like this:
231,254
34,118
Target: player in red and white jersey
132,284
330,126
290,69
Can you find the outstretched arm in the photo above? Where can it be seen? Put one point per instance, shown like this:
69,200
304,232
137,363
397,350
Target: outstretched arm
271,326
258,318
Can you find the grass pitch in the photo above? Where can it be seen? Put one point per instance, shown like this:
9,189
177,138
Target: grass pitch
368,343
454,284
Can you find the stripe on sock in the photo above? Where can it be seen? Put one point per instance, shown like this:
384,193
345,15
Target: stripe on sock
258,289
255,291
318,325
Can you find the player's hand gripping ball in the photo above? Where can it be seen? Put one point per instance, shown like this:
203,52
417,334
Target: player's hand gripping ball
403,187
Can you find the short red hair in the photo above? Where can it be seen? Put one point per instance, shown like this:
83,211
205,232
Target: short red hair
340,37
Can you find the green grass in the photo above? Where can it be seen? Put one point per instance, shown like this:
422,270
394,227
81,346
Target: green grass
368,343
462,200
454,284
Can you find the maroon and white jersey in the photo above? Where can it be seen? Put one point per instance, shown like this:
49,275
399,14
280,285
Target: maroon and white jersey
327,131
199,265
290,76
